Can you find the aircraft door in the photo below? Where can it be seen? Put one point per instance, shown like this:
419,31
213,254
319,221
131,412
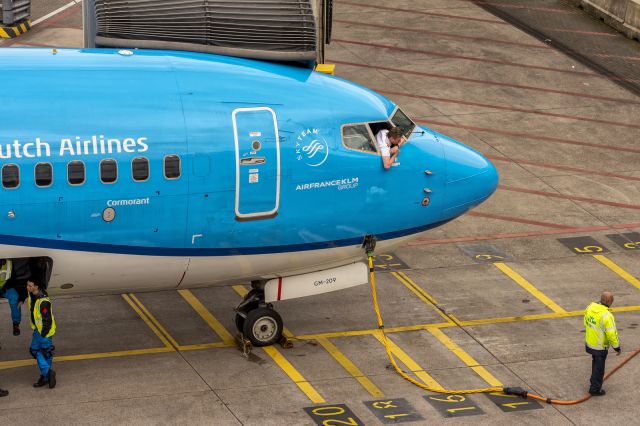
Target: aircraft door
257,163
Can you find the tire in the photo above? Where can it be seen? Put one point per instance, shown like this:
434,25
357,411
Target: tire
239,321
263,327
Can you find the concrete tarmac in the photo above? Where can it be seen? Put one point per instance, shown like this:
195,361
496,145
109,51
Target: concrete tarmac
510,279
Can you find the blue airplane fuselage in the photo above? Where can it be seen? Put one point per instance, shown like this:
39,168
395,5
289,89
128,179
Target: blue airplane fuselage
267,185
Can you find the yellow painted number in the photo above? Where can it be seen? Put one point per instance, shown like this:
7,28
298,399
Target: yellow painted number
384,260
384,404
489,257
589,249
453,410
328,411
334,411
393,416
450,398
350,421
453,399
514,405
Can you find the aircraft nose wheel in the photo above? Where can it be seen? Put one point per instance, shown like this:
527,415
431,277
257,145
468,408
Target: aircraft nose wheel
262,326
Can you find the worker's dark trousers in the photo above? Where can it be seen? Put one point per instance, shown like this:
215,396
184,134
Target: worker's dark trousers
597,369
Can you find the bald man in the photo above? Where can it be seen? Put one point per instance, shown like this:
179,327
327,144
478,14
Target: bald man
601,333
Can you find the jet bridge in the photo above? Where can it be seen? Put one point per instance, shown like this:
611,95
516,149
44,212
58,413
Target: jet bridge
279,30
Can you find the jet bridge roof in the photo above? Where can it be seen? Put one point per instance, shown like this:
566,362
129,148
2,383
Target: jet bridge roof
283,30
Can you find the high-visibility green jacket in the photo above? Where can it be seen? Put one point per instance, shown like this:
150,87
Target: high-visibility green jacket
41,316
5,272
600,327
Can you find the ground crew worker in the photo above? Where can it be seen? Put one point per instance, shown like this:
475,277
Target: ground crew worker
13,282
44,327
601,333
9,292
5,274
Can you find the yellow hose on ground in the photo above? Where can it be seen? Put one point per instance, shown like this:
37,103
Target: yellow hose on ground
507,390
392,359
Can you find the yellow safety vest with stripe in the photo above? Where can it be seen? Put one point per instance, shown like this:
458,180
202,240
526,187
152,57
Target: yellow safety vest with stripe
5,272
600,327
37,317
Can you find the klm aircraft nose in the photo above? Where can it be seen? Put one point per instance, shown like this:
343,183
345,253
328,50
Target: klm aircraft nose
471,178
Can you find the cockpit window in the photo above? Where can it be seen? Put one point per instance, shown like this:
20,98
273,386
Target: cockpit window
358,137
405,124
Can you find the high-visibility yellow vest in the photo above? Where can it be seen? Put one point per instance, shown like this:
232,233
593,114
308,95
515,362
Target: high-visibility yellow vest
37,317
5,272
600,327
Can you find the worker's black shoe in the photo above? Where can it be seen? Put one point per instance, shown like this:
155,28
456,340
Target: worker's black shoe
52,379
601,392
3,393
16,329
40,383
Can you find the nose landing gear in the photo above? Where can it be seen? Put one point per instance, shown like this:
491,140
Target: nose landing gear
256,320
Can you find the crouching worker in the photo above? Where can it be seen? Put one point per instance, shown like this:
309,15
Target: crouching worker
9,291
44,327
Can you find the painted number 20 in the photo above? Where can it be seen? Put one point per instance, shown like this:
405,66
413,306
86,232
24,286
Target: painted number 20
334,411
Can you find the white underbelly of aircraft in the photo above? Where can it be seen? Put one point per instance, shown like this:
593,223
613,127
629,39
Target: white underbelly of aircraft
77,272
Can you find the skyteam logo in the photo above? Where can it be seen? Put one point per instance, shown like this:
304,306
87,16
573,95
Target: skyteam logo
312,148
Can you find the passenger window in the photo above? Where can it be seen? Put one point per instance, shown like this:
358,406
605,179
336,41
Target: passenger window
10,176
140,169
172,167
108,171
75,172
44,174
358,137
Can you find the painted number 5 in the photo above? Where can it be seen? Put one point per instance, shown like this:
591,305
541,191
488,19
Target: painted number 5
589,249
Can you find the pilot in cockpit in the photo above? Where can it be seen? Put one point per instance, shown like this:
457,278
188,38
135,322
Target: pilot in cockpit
389,142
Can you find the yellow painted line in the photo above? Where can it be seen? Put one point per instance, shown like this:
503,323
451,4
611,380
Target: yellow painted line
25,362
465,357
522,282
409,362
147,321
331,335
624,309
114,354
419,291
351,368
618,270
294,374
241,290
465,323
206,315
534,317
154,321
201,346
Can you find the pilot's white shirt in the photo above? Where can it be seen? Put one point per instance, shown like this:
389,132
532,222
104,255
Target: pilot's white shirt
382,137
